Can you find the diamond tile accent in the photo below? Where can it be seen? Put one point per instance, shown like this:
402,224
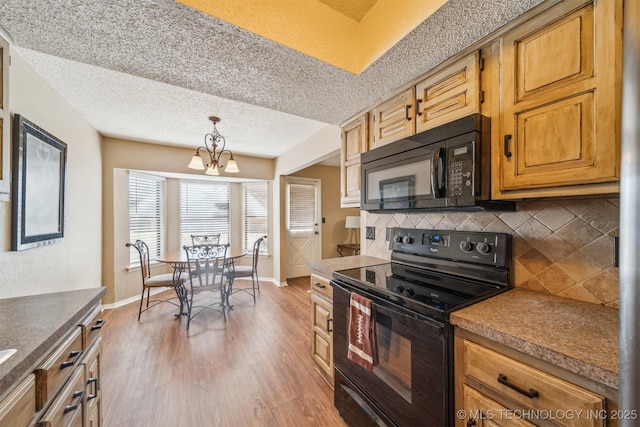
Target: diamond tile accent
555,216
534,261
579,233
603,216
533,230
555,280
563,247
579,267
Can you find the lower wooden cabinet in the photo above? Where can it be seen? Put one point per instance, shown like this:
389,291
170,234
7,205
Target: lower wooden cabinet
64,389
322,325
68,381
496,389
68,405
481,411
18,408
92,377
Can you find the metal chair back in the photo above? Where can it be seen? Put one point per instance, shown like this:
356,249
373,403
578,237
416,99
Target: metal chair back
205,239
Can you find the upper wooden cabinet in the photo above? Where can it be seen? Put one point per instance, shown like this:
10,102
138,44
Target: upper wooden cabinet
354,142
394,119
449,94
5,177
560,106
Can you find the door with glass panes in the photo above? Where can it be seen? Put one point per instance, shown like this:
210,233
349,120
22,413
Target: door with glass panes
302,225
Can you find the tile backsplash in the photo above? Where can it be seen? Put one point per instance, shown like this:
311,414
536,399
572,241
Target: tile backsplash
562,247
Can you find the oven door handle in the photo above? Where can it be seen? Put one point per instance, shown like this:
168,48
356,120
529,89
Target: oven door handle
433,327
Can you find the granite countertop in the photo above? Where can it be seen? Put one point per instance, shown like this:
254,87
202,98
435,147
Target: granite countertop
326,267
33,325
577,336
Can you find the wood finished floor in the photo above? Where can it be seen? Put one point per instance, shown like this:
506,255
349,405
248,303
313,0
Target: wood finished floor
253,370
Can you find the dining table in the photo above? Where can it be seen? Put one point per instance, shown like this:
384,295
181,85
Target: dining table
178,260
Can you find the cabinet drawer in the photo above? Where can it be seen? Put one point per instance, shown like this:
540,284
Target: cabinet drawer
321,285
92,327
57,367
531,387
66,409
19,407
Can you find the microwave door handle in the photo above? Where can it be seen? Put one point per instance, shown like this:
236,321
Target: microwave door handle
436,173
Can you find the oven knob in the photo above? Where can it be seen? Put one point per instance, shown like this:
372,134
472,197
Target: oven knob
466,246
407,239
483,248
398,239
409,293
399,289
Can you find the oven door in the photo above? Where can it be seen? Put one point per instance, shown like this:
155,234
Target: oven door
412,382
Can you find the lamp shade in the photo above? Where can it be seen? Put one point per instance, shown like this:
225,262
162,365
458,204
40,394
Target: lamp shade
352,222
232,166
196,162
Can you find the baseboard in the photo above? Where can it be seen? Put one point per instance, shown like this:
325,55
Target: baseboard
268,280
131,299
156,291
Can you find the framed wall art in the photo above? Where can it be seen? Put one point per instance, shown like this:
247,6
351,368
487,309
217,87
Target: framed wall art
37,187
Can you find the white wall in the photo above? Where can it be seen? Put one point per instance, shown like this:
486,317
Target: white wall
73,262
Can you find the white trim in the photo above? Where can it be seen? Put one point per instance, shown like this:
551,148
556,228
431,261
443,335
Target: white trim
129,300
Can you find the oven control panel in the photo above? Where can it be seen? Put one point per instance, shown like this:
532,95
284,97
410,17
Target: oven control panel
475,247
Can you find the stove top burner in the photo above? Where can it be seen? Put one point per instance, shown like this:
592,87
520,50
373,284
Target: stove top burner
434,272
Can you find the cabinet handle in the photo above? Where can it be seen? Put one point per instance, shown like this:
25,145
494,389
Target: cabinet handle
471,422
406,112
90,381
99,324
329,323
318,285
418,112
70,408
75,355
502,379
507,151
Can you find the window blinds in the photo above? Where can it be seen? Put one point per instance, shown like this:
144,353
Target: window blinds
204,209
254,202
146,214
302,207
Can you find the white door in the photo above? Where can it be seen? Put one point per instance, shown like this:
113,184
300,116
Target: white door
303,225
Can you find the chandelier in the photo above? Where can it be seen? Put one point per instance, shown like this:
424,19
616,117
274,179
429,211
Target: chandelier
214,145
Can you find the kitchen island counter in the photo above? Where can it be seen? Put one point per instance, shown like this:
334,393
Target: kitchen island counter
577,336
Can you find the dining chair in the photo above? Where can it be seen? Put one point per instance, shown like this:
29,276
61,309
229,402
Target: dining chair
206,267
171,280
205,239
237,271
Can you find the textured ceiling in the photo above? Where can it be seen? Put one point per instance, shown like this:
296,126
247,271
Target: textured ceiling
154,70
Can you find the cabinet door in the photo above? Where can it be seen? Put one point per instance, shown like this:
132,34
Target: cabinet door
480,411
560,120
67,408
322,334
92,367
354,142
19,407
449,94
5,177
394,119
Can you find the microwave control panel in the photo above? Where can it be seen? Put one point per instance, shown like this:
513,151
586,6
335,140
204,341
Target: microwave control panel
460,166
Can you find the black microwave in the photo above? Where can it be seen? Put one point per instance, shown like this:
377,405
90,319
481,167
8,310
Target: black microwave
444,168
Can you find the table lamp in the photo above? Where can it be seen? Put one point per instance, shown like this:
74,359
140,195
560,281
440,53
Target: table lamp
353,223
